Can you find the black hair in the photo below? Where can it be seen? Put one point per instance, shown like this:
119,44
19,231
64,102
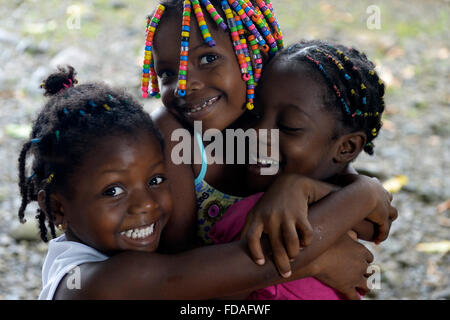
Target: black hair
355,91
251,40
178,5
70,125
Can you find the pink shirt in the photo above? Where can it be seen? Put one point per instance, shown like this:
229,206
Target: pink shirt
228,229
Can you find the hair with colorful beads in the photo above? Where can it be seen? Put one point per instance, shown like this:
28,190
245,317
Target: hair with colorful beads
252,25
70,125
356,93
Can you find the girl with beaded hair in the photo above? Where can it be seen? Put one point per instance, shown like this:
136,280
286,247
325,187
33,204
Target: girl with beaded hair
209,73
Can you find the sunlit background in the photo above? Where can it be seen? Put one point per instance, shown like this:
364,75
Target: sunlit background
103,40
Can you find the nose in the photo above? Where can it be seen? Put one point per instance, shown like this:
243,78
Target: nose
189,81
142,202
264,126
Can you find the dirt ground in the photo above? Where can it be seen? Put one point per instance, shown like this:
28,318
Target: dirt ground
410,48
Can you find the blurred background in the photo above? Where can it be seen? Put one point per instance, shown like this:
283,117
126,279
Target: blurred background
103,40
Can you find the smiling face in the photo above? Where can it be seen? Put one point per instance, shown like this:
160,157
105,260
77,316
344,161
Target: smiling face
121,198
216,93
293,102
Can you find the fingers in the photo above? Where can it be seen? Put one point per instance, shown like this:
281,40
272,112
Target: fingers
393,214
368,255
383,232
362,287
253,236
291,240
248,222
306,231
352,234
390,195
351,294
279,255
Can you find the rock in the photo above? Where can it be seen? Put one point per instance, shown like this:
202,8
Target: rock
34,82
73,56
27,45
443,294
28,231
5,240
17,131
118,5
8,37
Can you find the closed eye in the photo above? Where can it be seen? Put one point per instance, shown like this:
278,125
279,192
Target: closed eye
288,129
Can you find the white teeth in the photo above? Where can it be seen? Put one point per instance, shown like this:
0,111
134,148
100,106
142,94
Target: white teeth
139,233
203,106
263,161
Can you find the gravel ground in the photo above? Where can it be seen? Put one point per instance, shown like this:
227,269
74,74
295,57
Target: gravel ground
411,50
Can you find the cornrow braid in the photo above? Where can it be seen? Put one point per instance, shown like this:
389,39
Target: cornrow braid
24,183
42,228
353,82
70,126
251,23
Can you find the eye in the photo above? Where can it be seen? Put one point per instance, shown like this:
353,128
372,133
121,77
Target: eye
288,128
113,192
157,180
208,58
166,74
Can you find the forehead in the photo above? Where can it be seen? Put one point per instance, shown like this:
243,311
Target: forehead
122,150
293,80
167,40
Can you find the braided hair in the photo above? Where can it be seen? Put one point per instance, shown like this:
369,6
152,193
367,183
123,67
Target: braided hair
70,125
251,24
355,91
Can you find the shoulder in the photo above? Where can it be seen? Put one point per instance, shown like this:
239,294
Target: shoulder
165,121
63,259
181,225
167,124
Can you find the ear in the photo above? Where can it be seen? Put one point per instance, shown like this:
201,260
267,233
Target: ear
55,205
349,146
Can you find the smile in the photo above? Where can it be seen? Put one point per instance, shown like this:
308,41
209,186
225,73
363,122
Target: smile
263,162
200,107
139,233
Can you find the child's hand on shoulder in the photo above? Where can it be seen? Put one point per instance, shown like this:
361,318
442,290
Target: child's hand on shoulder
281,211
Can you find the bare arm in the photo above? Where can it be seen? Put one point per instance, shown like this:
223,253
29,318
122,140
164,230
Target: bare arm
283,210
207,272
203,273
180,229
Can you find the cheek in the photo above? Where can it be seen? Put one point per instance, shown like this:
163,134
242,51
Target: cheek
164,200
167,94
102,217
296,156
238,86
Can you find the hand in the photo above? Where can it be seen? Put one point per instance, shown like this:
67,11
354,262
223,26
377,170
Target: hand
282,211
383,213
344,267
